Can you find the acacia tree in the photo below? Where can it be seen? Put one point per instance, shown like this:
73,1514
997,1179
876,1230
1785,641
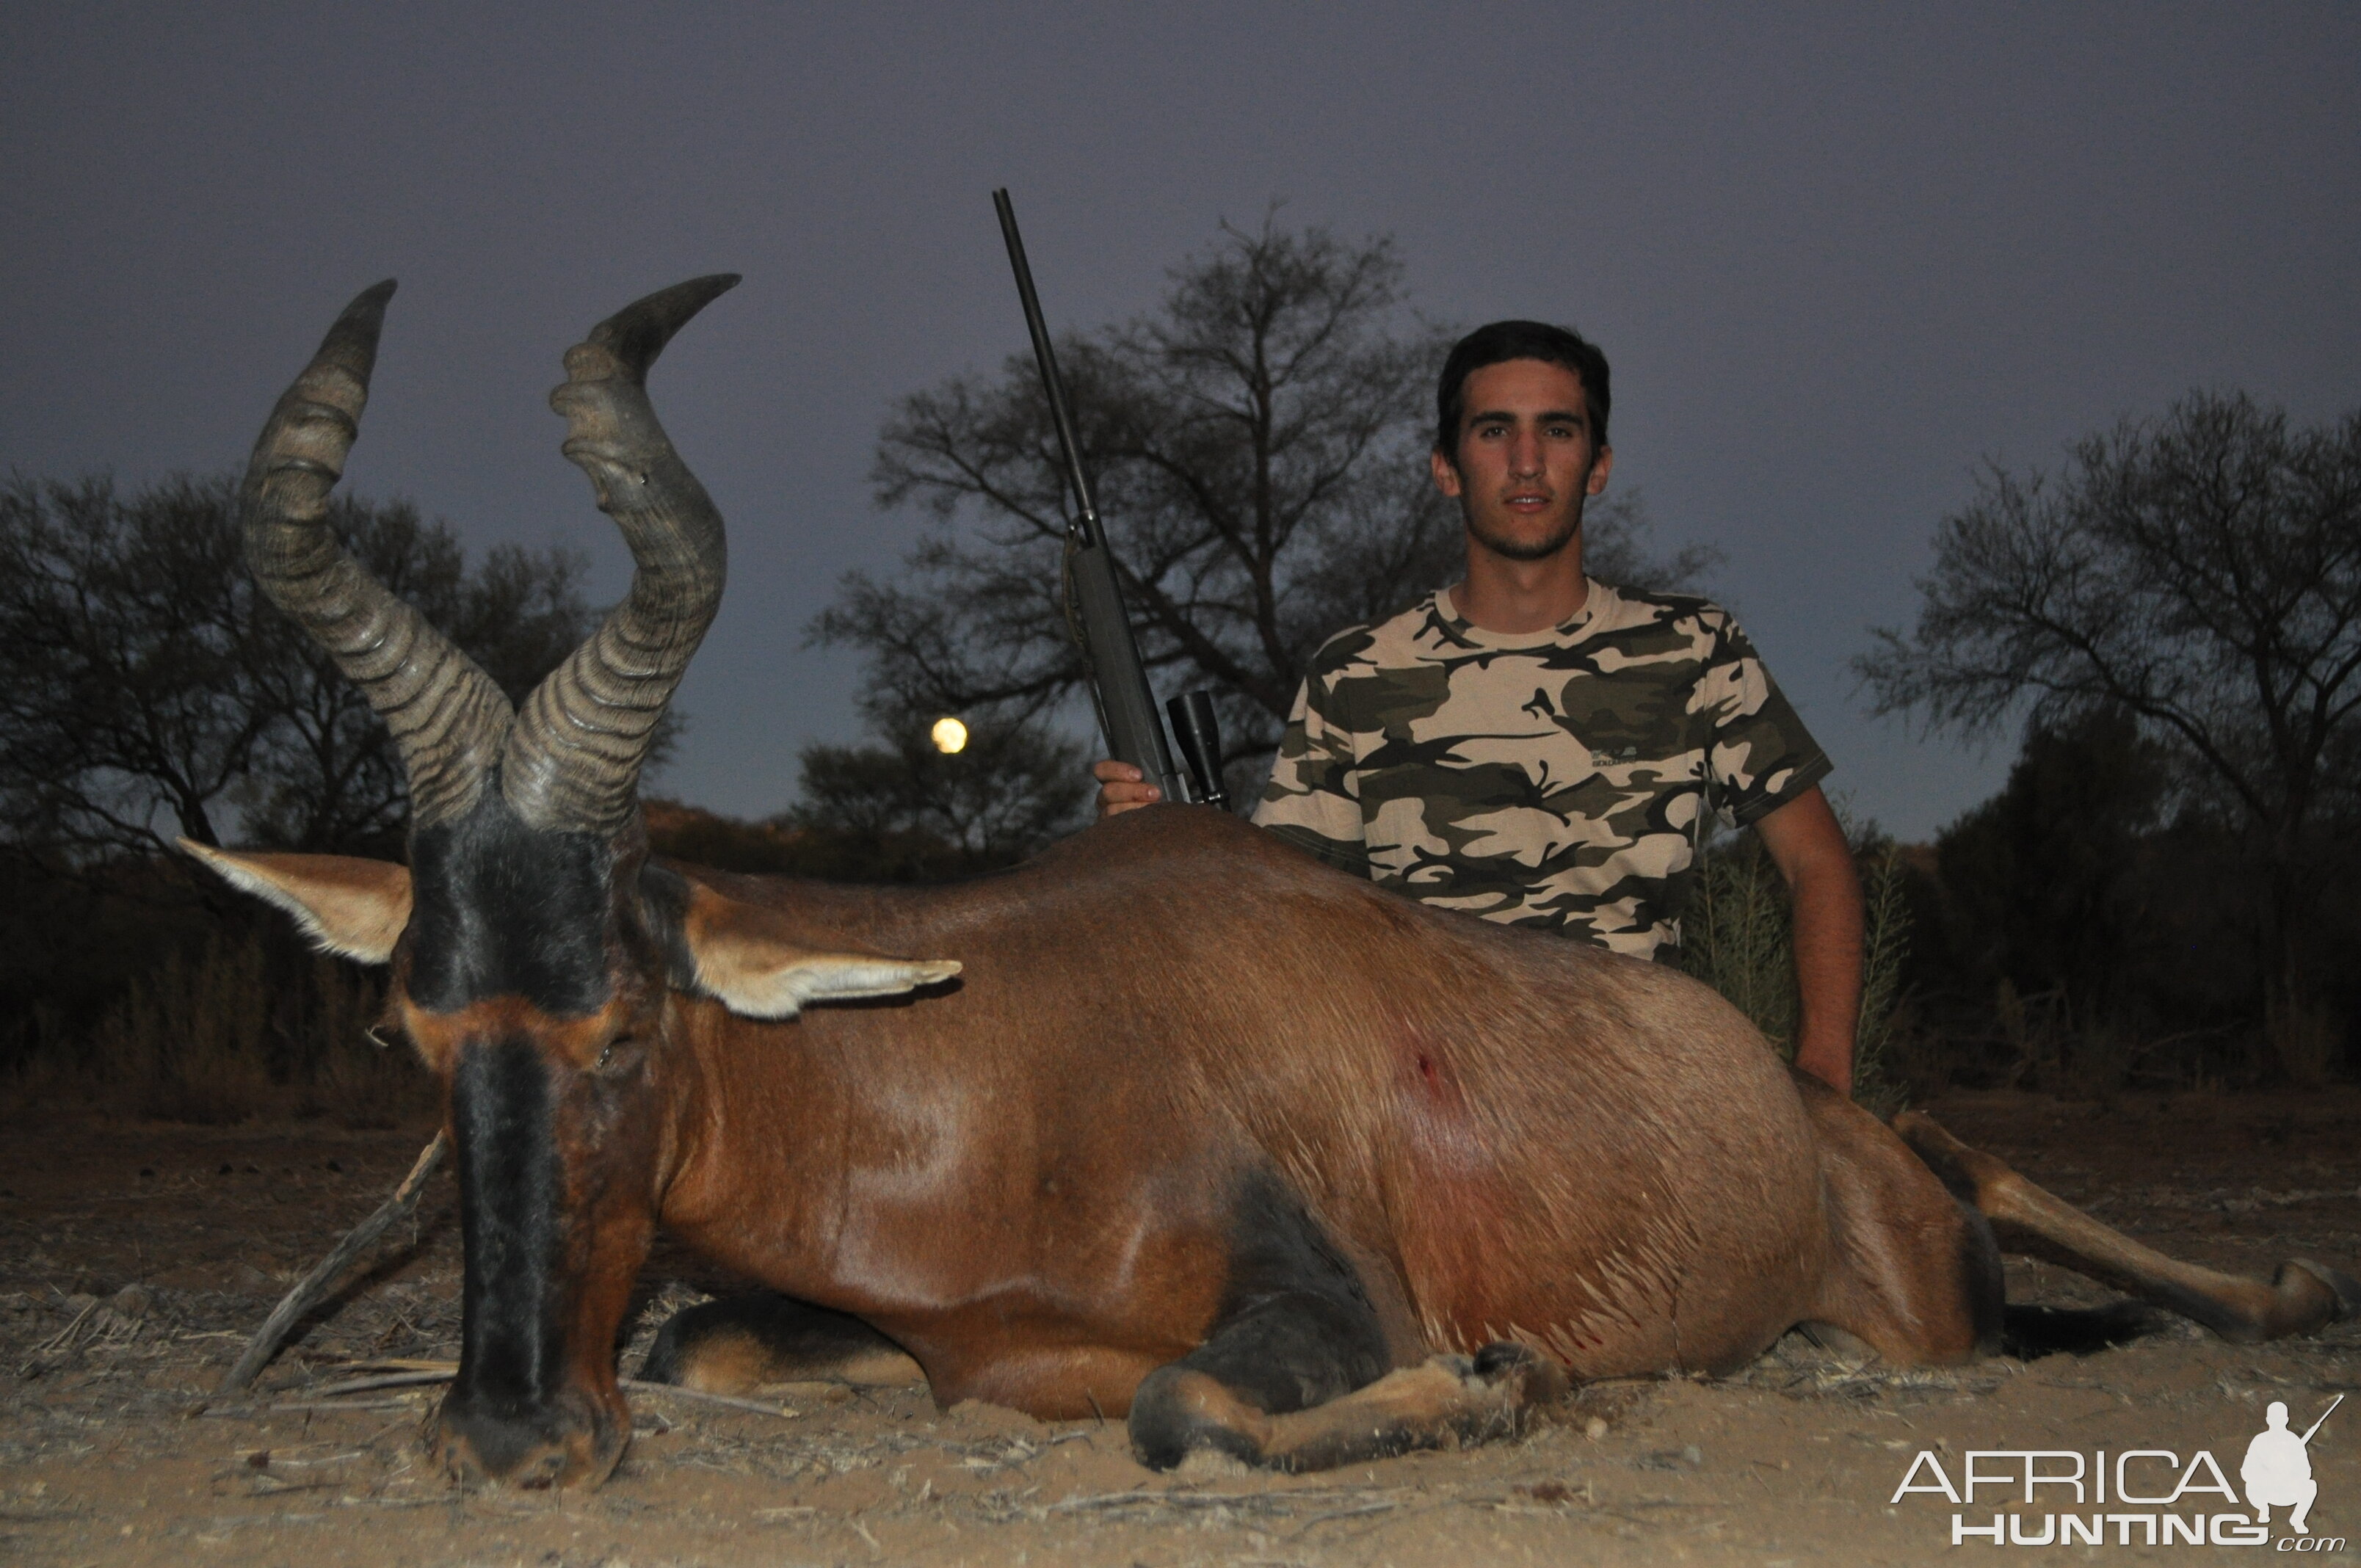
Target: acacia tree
153,693
2200,572
1258,445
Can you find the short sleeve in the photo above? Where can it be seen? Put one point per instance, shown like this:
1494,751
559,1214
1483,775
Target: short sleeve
1312,800
1758,752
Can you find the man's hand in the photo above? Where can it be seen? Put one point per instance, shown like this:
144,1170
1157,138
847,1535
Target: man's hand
1123,787
1809,848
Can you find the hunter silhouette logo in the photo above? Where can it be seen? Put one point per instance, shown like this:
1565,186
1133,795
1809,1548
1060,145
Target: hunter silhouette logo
2278,1471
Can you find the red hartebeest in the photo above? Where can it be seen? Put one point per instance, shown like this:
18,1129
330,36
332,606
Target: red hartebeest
1297,1172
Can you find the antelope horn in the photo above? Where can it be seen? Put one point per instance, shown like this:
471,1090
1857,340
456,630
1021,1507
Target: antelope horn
447,717
573,761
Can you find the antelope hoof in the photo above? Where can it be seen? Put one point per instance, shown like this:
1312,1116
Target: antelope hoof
2345,1292
1527,1378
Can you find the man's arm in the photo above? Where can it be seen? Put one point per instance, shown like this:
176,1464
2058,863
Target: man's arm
1823,894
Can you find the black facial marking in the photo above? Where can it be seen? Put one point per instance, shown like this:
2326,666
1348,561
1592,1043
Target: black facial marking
502,909
511,1192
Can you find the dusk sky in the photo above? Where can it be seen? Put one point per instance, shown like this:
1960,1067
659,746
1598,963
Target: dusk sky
1838,256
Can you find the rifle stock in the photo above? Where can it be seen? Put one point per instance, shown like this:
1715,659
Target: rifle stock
1119,690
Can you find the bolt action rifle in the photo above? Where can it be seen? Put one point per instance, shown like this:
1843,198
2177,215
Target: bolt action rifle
1119,690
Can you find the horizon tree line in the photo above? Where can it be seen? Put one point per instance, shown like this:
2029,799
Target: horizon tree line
2172,618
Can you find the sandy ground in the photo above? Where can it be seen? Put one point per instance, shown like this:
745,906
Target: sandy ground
133,1261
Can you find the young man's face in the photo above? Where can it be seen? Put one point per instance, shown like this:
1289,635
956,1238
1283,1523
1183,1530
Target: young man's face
1526,459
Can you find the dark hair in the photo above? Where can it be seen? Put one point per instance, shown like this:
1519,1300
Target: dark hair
1504,341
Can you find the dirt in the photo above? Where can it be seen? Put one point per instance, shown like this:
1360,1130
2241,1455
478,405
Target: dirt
135,1260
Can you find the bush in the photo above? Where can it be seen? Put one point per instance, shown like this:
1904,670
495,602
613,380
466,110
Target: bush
186,1044
1736,936
248,1027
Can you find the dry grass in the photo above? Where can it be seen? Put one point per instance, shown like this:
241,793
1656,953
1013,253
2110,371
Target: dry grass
239,1029
1737,937
188,1044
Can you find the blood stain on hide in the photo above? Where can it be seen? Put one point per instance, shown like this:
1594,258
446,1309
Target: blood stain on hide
1462,1208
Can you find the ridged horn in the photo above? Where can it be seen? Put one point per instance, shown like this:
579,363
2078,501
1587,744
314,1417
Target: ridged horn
447,717
573,761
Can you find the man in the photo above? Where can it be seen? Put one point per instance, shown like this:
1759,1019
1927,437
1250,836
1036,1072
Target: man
1540,748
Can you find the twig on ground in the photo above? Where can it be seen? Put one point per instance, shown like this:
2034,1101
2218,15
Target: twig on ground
62,1339
314,1287
415,1373
1381,1507
1366,1500
351,1500
385,1380
323,1406
443,1365
639,1387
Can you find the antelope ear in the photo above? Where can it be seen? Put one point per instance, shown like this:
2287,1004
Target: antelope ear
744,959
352,907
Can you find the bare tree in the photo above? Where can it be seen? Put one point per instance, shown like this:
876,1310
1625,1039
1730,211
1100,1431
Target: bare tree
151,692
2202,573
127,636
1259,447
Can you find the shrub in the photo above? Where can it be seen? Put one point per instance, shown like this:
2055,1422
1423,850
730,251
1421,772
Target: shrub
250,1026
1736,936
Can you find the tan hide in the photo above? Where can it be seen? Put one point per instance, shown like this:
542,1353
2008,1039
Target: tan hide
349,906
746,961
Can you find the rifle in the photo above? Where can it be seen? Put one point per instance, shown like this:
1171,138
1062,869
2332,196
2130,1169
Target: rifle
1119,690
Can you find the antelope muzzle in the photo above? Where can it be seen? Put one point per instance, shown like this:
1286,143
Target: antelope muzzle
549,1267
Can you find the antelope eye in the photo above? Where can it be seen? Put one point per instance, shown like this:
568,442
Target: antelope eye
618,1056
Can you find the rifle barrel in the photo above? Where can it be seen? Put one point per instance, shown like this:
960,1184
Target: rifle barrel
1045,357
1119,690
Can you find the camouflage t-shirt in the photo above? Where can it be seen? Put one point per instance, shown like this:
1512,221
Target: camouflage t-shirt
1553,779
